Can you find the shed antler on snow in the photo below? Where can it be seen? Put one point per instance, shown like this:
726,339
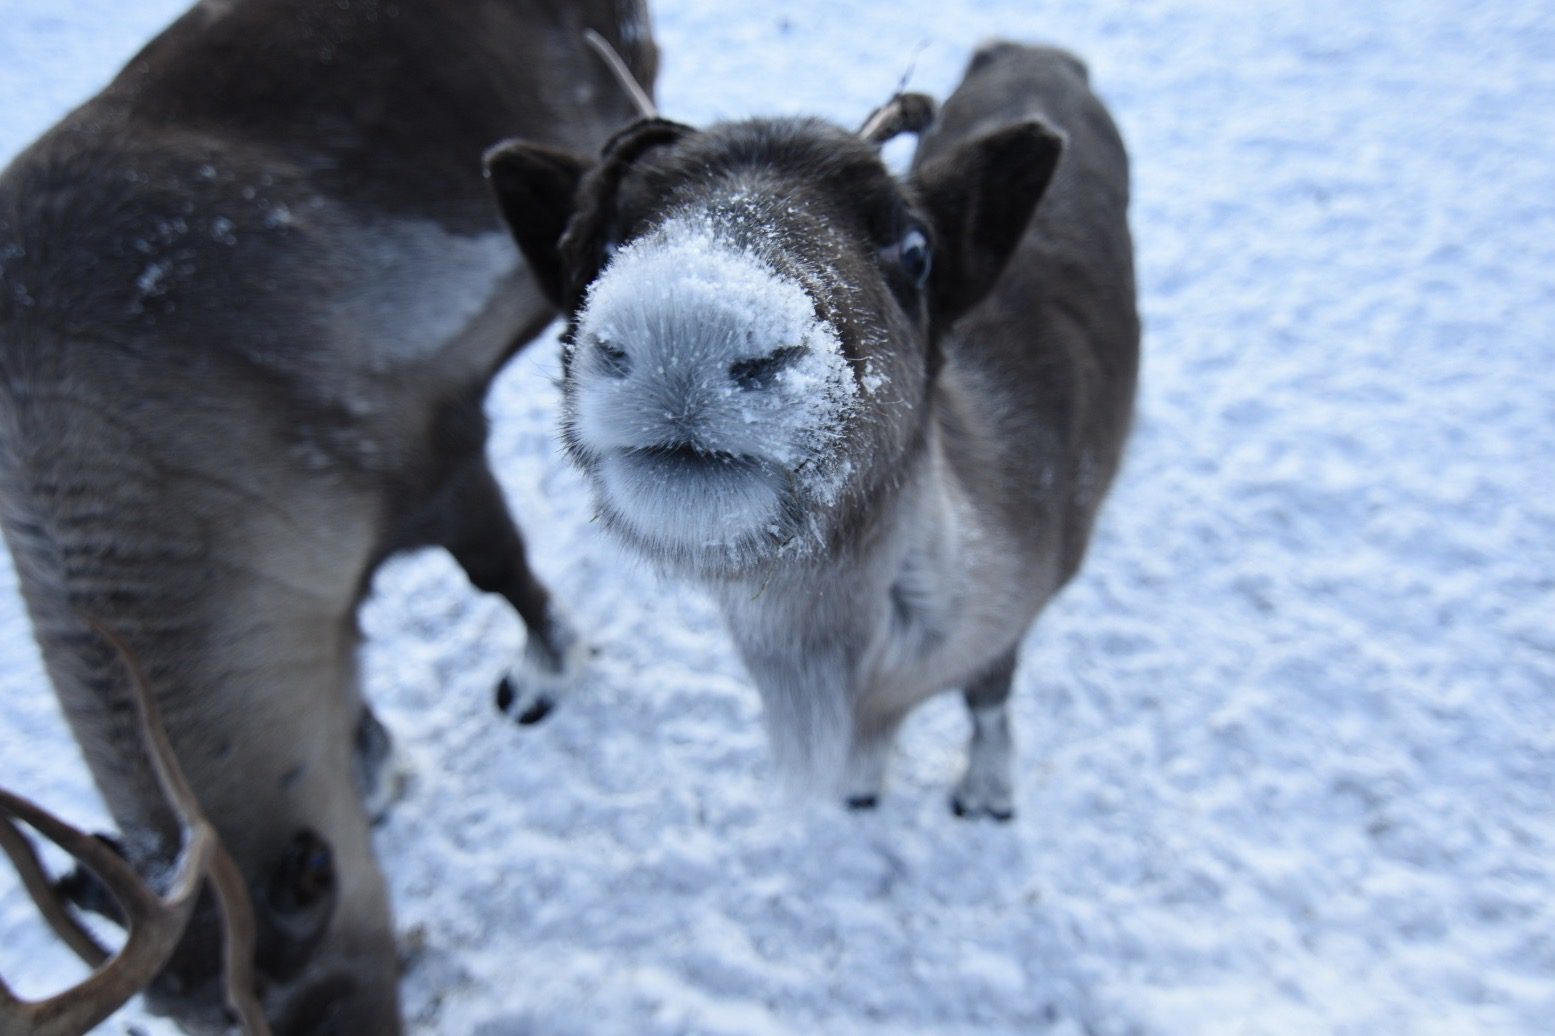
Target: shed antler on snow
154,923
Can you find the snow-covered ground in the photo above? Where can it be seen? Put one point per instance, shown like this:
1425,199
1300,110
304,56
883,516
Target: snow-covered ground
1287,746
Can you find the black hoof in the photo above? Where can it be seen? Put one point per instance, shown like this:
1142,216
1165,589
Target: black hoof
858,803
506,696
960,809
86,891
535,713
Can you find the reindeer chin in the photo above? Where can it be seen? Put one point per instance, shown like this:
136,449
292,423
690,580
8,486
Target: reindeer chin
690,506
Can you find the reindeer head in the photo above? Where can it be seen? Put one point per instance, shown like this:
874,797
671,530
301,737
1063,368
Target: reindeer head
756,312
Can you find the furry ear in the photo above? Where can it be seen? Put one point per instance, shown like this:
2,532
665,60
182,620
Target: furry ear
583,246
536,187
981,197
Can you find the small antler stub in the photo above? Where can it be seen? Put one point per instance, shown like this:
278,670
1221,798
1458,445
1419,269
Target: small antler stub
904,113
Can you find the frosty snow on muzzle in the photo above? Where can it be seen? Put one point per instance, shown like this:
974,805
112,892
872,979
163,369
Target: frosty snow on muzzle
706,392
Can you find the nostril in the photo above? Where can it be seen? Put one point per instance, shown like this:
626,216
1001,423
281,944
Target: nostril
612,359
759,373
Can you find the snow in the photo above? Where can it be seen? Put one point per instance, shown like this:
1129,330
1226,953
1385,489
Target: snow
1285,750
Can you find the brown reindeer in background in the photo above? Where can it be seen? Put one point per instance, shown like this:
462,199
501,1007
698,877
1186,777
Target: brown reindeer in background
153,923
252,297
876,417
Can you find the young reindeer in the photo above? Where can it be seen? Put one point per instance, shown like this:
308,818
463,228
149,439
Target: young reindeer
251,300
877,417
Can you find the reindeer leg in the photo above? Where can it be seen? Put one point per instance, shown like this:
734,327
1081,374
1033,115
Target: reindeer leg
484,539
868,755
985,788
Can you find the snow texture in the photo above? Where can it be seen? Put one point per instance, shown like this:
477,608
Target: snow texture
1285,750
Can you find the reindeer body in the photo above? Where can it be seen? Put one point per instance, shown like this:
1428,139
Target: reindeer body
876,417
251,299
1025,430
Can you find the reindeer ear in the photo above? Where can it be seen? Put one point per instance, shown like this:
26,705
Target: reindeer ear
537,188
586,245
981,197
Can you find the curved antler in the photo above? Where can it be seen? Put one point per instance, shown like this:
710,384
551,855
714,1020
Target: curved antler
154,923
36,881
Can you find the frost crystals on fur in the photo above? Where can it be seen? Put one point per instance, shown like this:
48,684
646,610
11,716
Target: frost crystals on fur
709,393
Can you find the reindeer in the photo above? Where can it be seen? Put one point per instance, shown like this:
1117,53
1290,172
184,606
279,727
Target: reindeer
252,297
876,417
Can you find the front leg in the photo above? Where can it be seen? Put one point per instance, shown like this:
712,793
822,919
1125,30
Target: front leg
483,538
986,788
869,753
805,673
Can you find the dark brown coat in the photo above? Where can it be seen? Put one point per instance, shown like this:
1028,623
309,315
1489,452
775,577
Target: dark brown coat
251,299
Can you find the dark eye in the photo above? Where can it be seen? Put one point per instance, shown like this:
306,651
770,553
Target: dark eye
912,255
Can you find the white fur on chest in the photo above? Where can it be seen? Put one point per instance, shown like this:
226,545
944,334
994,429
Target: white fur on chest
954,603
926,594
922,612
416,289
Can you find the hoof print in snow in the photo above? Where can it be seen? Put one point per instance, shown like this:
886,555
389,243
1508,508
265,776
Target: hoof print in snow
527,709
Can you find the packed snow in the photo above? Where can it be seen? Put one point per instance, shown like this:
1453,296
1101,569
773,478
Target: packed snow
1286,747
